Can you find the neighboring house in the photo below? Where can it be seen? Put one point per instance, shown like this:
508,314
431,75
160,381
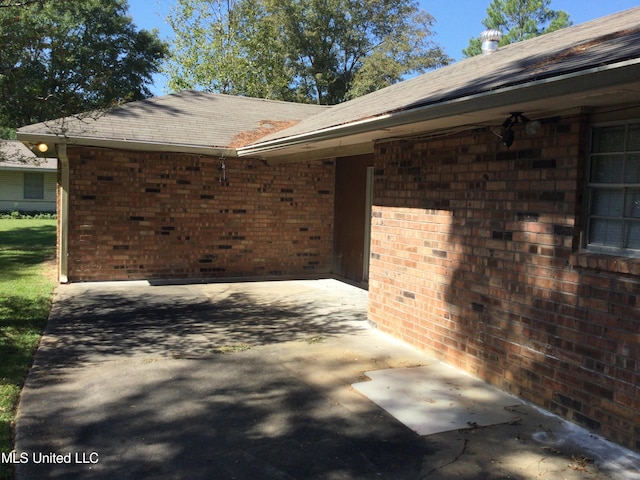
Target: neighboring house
519,264
27,183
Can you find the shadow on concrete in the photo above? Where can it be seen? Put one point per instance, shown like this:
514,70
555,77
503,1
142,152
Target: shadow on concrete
133,378
230,418
167,321
127,378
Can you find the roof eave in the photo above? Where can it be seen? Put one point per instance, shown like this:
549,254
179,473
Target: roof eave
33,139
561,85
35,169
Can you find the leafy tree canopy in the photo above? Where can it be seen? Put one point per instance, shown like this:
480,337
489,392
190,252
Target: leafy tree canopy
18,3
60,58
519,20
320,51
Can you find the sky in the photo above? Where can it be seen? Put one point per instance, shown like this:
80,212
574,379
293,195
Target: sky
456,20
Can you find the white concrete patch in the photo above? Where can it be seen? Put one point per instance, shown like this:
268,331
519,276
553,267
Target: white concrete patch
437,398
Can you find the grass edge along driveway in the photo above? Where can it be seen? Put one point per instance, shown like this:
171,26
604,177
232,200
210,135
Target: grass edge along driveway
27,250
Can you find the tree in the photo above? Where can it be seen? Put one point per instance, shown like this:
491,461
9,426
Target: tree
321,51
18,3
60,58
519,20
226,46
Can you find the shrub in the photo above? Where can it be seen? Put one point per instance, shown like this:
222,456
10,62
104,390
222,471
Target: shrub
18,215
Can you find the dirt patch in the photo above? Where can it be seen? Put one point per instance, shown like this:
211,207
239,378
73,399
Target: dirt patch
50,269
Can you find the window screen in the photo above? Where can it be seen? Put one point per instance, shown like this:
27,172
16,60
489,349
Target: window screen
34,186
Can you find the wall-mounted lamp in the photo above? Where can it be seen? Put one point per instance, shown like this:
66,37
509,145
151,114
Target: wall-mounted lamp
507,135
43,147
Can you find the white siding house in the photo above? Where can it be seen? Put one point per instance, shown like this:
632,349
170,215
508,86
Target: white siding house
27,183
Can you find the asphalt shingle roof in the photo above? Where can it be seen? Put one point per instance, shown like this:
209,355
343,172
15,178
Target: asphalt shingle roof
213,120
602,41
185,118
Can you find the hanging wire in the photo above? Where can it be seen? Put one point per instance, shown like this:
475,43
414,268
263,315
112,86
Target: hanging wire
223,171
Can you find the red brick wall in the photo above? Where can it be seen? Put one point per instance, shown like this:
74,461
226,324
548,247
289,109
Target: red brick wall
475,257
140,215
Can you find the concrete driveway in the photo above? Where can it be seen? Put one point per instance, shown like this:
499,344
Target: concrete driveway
249,381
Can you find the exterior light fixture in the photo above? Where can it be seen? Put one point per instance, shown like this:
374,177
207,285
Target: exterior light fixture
43,147
515,118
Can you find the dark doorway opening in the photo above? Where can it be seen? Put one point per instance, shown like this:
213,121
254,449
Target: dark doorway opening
354,180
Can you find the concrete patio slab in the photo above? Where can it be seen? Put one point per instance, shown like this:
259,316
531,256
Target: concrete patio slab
253,380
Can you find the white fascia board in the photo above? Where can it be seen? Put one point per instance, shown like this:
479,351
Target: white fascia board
146,146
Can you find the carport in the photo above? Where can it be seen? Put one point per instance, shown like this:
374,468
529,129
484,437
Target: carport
258,380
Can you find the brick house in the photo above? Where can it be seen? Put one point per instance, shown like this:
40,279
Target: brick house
155,189
519,264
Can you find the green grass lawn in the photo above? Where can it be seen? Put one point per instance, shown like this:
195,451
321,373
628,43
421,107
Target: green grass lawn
27,247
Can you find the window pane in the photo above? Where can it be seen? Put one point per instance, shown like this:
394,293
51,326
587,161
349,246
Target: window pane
34,185
608,139
634,138
632,203
607,202
632,169
606,232
614,193
607,169
632,235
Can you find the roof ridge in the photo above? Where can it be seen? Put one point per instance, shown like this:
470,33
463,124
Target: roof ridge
228,96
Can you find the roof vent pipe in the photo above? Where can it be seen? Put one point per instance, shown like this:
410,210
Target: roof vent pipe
490,40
